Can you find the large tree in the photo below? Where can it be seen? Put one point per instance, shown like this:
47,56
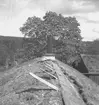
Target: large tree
64,30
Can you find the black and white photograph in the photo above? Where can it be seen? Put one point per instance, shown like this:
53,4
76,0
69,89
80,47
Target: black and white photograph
49,52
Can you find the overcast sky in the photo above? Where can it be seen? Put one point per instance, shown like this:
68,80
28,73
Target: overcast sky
13,13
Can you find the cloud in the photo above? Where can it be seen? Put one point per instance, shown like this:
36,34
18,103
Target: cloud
15,12
13,7
89,25
64,6
95,2
87,19
89,30
95,30
92,21
10,27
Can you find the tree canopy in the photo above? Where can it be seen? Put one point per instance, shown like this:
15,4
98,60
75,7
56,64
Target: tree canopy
64,30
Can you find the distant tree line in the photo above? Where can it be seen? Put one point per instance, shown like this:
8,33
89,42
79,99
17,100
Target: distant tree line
91,47
8,51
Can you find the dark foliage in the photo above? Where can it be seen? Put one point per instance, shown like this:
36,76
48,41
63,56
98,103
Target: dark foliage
90,47
64,30
8,49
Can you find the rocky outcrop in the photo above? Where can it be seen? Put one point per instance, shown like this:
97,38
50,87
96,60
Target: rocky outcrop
18,87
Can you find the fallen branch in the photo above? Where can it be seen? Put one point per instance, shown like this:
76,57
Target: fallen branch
43,81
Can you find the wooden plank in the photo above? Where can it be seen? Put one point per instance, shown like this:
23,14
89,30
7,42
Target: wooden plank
69,92
35,88
90,90
43,81
48,73
94,78
93,74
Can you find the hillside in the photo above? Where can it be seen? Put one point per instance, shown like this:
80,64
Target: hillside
64,85
17,40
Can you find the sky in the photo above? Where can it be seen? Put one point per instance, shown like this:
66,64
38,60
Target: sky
14,13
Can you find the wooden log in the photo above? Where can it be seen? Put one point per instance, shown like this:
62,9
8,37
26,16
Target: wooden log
33,88
48,73
70,94
43,81
88,90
